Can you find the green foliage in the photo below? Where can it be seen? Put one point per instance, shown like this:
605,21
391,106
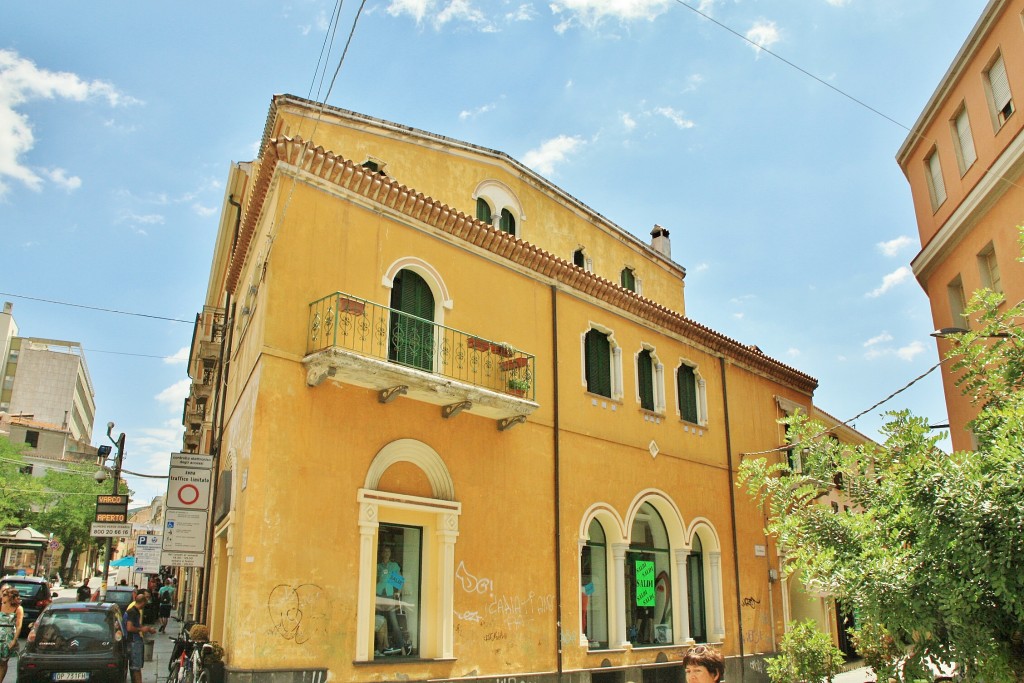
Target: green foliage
933,545
18,492
807,656
878,648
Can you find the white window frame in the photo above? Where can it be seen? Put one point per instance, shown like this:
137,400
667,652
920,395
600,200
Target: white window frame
615,360
963,139
700,391
657,378
988,266
997,88
933,174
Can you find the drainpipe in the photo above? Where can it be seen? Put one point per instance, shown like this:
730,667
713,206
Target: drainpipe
557,456
732,512
227,335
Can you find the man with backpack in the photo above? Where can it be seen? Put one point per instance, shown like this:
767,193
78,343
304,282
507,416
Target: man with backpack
166,598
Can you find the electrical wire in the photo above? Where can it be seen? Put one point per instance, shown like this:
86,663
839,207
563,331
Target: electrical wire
846,423
97,308
328,46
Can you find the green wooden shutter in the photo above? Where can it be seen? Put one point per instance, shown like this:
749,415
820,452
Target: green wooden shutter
598,364
687,382
412,338
645,372
628,279
508,222
483,210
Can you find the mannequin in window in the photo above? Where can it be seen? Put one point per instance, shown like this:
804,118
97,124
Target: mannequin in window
389,598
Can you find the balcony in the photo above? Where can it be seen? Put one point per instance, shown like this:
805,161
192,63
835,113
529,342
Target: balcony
358,342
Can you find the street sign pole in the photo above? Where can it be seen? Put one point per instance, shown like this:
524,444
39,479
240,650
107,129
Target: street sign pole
117,482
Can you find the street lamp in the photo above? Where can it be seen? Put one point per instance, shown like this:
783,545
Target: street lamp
947,332
119,443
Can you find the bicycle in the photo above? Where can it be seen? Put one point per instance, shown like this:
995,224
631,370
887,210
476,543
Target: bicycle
186,662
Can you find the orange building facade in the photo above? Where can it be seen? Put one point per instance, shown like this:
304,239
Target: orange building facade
964,159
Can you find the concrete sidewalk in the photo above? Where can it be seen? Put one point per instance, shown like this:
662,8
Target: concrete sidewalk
155,671
863,674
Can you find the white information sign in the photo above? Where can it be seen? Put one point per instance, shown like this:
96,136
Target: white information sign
188,488
185,531
103,529
192,460
172,559
147,554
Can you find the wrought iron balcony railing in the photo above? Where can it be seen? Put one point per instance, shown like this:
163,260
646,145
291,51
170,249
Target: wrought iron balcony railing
359,326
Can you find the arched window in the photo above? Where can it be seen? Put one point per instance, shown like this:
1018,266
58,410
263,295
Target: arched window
594,588
598,363
411,339
579,259
695,586
508,222
483,210
648,570
628,279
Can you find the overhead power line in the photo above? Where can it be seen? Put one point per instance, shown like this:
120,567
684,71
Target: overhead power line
98,308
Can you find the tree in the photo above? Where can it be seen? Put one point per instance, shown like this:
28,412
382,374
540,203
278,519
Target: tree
18,491
932,549
808,656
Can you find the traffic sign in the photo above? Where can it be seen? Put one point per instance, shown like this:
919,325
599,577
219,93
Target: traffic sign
185,530
192,460
147,554
112,509
173,559
188,488
102,530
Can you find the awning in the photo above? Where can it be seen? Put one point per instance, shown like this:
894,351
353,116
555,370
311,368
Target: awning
128,561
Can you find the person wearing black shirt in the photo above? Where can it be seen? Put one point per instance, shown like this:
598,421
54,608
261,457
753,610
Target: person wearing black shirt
136,644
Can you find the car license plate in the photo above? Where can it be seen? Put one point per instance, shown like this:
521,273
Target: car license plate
71,676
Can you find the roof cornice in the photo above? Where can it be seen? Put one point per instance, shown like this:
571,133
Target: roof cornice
351,177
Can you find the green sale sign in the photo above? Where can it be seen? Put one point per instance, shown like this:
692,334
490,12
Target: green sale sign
644,583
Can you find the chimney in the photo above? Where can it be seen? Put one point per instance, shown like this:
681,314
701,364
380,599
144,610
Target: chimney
8,307
660,241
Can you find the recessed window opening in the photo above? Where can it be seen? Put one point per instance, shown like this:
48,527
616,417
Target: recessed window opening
963,141
695,586
411,333
957,303
579,258
628,279
483,210
989,268
594,590
598,363
1000,100
645,379
936,187
398,591
648,599
507,222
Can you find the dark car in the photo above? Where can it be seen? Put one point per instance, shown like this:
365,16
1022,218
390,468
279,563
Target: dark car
35,596
122,596
75,641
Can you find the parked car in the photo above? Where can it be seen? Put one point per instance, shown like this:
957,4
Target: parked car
75,641
122,596
35,596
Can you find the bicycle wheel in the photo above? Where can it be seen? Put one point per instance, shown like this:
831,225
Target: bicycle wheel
189,676
172,677
204,677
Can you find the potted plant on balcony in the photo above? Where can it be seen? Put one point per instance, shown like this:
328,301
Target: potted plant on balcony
518,386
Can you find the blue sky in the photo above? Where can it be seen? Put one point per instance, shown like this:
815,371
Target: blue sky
118,122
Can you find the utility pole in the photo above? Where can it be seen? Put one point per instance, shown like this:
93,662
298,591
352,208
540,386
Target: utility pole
119,443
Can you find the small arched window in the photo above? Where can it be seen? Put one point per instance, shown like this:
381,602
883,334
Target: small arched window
594,587
579,259
508,222
483,210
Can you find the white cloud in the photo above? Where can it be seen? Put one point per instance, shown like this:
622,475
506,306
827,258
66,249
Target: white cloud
907,353
675,117
838,3
473,113
628,121
706,6
910,350
60,177
180,356
21,81
894,246
738,316
141,219
415,8
763,34
878,339
524,12
792,352
174,396
203,211
551,152
693,82
459,10
590,13
889,281
699,268
452,11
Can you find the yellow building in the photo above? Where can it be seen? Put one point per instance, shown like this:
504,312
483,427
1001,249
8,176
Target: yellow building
463,427
964,159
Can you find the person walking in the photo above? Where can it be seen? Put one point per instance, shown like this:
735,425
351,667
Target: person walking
166,599
84,592
11,616
136,643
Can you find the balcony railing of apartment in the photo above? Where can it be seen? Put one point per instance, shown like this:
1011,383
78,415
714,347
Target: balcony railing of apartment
350,325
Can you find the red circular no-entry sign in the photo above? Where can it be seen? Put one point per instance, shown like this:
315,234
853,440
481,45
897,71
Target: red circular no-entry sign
188,494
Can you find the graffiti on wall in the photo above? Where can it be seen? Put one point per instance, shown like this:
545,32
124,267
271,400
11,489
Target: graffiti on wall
299,613
509,610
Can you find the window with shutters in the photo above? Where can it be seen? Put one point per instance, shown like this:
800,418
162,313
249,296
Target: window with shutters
690,391
628,279
645,379
963,141
483,210
598,363
579,258
989,268
411,340
997,85
933,172
508,222
957,303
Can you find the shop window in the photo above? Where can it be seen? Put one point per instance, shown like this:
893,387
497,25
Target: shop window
598,363
507,222
398,590
695,585
628,279
594,589
648,586
411,340
483,210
